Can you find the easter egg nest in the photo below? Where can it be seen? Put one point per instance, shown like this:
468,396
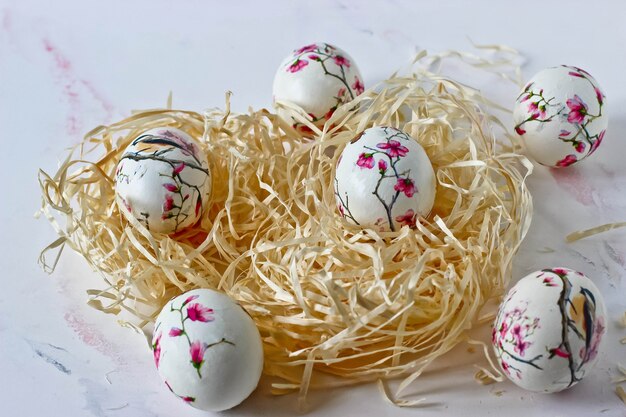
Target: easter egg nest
326,295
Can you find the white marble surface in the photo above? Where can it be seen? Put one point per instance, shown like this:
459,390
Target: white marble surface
67,66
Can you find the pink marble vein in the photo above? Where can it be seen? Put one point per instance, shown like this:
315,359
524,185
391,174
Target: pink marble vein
92,337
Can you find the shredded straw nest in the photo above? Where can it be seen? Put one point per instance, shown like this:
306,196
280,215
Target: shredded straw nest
326,295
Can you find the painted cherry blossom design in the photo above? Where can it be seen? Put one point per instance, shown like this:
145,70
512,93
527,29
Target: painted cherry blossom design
185,398
579,317
545,111
561,337
515,328
197,312
384,178
299,76
168,157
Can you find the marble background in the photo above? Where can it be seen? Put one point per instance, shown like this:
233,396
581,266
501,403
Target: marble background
66,67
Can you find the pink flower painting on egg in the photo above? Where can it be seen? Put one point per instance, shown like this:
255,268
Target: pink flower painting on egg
198,312
156,350
407,219
406,186
196,350
341,61
394,148
578,110
567,161
392,183
175,331
574,326
515,328
307,48
182,171
366,160
333,64
297,65
195,313
578,114
358,86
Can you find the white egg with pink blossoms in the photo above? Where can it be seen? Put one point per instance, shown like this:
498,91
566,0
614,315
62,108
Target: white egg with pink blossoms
207,350
384,179
318,78
163,180
549,330
560,115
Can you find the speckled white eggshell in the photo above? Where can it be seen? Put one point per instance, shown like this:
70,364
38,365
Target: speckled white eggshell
163,180
549,330
561,116
317,77
207,350
384,179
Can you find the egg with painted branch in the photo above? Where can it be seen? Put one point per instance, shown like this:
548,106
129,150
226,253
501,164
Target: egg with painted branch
384,179
318,78
207,350
560,116
163,180
549,330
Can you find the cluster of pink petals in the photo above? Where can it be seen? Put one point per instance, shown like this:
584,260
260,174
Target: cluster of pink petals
156,350
198,312
196,350
358,86
549,282
168,204
341,61
538,112
406,186
297,65
179,168
520,345
307,48
175,331
393,148
366,160
567,161
407,219
578,109
171,187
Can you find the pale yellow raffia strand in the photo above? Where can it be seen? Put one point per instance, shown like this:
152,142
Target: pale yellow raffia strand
328,297
573,237
619,391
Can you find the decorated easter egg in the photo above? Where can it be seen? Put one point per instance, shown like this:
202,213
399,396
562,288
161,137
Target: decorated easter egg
384,179
561,116
207,350
549,330
163,180
319,78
